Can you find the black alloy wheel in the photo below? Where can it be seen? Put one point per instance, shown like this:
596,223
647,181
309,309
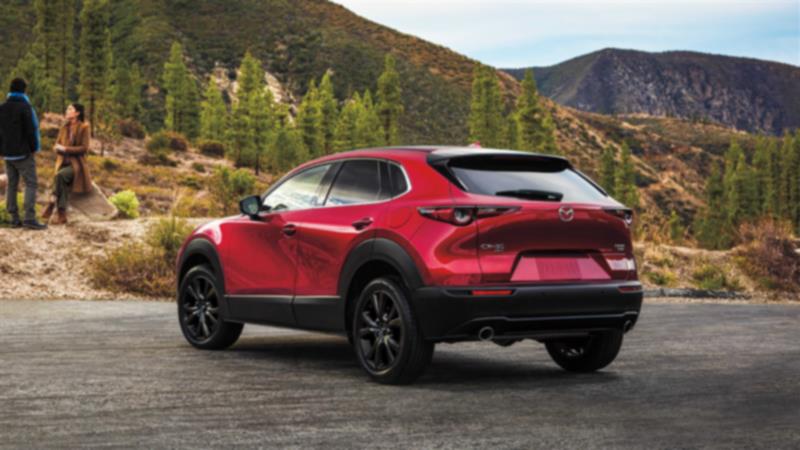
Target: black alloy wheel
387,341
380,331
199,311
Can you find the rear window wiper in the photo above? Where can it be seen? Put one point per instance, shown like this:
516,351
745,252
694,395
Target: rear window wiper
532,194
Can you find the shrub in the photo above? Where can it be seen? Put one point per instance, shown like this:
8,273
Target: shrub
769,256
147,267
177,142
109,165
198,167
712,277
158,143
193,205
228,186
133,268
167,236
126,203
191,181
661,277
214,149
131,128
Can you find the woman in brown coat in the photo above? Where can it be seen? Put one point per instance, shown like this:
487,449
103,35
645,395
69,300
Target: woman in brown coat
72,170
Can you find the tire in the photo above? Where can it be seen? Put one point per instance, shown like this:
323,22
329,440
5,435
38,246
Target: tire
586,354
199,316
386,338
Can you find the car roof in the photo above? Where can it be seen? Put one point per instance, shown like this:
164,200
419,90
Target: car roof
433,152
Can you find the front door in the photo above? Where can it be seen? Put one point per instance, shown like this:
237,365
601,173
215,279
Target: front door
261,255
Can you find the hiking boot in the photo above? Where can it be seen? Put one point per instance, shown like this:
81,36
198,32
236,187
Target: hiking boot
33,225
16,223
61,217
48,211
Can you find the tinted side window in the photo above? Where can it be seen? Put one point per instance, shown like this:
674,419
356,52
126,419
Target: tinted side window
299,192
357,182
399,183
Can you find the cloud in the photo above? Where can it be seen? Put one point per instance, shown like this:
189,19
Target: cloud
521,33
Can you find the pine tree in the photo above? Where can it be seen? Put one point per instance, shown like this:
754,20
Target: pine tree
238,134
485,117
675,226
289,148
213,114
250,78
764,166
368,132
734,181
40,87
344,136
390,101
309,120
126,90
182,98
95,55
511,133
536,128
53,41
625,179
329,108
261,122
713,230
608,170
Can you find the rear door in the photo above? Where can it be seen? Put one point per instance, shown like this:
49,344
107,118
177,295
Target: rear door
561,228
326,236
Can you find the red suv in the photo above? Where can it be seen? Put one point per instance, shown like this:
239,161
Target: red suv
403,248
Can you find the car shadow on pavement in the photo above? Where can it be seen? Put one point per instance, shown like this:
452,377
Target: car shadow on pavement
455,368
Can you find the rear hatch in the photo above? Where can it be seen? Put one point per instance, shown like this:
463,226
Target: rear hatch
555,225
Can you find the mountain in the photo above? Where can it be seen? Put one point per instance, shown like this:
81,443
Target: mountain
297,40
747,94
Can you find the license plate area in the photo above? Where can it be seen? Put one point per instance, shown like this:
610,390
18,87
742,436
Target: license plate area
570,267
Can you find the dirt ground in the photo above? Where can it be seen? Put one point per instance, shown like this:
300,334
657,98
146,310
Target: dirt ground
52,264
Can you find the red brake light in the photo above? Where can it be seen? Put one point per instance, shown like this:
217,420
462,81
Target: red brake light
463,215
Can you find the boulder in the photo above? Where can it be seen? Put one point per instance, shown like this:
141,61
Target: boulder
92,205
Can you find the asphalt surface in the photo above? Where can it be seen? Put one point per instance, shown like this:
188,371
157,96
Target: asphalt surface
118,374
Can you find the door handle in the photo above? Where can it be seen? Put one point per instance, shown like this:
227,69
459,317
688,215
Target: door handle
289,229
360,224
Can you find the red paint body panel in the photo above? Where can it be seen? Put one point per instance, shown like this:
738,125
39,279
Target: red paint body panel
530,245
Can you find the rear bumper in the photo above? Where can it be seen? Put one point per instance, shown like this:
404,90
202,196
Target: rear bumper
532,311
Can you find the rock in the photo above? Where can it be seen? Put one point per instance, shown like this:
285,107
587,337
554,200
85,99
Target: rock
92,206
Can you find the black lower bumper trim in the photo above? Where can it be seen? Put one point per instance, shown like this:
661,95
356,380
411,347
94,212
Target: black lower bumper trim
453,314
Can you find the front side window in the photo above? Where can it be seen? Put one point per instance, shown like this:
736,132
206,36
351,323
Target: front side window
299,192
358,182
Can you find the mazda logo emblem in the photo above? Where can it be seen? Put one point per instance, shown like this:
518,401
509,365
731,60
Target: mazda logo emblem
566,213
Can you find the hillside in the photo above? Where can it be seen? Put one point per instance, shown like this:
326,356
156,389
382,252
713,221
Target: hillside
297,40
747,94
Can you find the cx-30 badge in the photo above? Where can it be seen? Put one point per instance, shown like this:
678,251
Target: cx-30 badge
566,214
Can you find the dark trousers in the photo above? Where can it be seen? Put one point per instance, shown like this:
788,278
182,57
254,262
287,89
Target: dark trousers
25,168
63,185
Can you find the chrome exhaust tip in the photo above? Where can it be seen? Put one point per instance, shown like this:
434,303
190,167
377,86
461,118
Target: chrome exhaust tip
486,334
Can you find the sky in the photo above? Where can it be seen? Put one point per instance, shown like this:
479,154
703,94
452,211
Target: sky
522,33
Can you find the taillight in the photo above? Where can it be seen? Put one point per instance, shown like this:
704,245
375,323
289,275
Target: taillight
623,213
463,215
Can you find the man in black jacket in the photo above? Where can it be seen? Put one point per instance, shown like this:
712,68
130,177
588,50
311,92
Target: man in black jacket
19,140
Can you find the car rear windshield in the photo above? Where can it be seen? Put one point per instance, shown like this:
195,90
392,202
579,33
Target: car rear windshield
531,178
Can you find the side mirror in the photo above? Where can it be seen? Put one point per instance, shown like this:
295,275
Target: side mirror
251,206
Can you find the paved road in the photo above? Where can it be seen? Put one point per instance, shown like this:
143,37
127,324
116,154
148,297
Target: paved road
119,374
